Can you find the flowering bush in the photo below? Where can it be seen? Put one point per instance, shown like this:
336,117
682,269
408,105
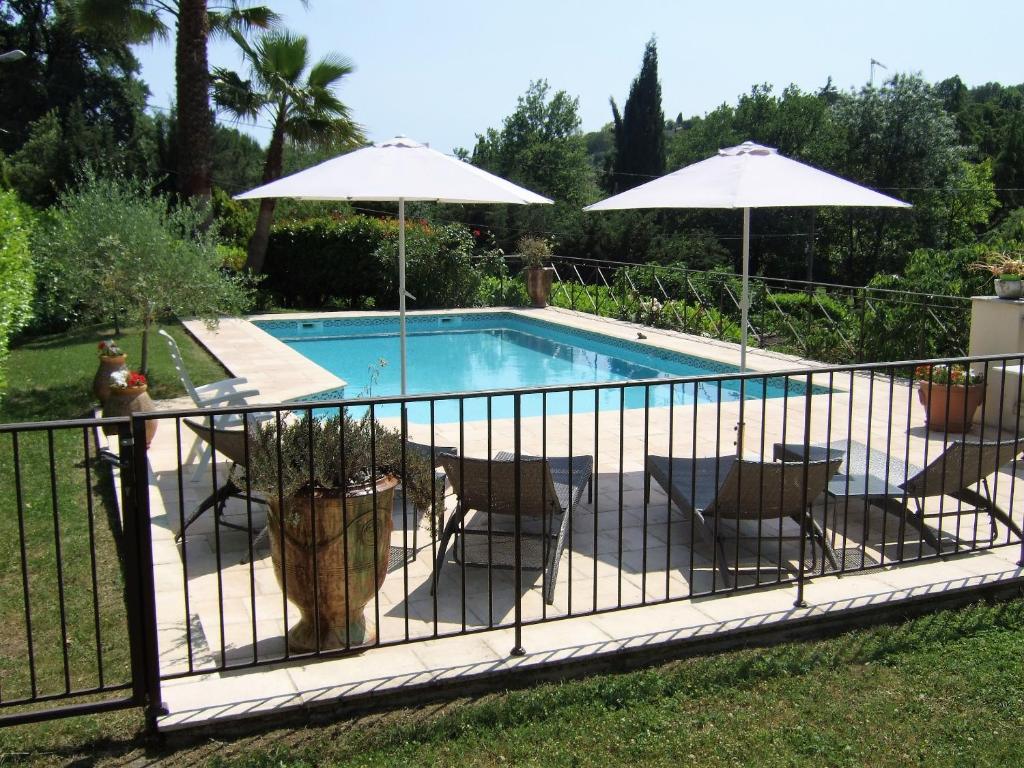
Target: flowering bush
955,373
109,348
126,380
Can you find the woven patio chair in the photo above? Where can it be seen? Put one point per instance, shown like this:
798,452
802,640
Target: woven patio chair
885,481
230,443
726,488
400,553
549,491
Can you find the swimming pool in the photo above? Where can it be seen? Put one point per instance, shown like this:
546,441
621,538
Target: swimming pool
497,350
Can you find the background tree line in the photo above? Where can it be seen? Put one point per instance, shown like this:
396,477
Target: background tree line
955,152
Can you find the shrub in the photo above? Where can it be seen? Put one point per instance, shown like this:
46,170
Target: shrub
324,261
352,262
111,251
16,275
439,269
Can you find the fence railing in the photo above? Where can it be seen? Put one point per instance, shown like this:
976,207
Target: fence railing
71,595
476,511
822,321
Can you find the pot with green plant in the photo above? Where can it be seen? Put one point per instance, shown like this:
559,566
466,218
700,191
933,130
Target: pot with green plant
330,487
1006,267
536,253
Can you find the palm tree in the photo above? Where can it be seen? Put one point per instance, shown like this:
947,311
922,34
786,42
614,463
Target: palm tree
299,101
138,21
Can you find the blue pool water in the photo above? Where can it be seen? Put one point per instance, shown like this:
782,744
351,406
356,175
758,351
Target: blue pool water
499,350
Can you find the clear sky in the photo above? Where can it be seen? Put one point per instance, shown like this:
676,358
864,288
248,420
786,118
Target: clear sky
442,71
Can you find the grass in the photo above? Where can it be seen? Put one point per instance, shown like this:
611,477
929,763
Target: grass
51,378
942,690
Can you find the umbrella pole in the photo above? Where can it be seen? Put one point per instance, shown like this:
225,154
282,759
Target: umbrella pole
401,286
745,297
744,309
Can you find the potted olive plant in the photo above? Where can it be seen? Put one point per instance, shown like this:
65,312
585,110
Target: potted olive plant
1006,268
536,252
330,485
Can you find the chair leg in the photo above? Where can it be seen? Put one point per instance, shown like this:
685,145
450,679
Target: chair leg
449,530
989,506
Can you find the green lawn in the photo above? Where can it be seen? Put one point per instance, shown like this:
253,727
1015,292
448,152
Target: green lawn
51,378
943,690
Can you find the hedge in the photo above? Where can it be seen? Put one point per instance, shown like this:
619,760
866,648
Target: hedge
17,282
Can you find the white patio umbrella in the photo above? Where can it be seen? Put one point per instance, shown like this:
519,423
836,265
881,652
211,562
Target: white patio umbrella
747,176
399,170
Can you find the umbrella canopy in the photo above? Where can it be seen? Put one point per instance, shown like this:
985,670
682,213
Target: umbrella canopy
747,176
398,170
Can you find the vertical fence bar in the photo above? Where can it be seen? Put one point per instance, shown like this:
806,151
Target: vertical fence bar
140,587
22,544
91,519
804,501
59,559
517,649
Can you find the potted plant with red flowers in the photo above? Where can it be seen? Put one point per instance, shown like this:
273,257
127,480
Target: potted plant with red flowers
129,393
951,395
536,253
112,359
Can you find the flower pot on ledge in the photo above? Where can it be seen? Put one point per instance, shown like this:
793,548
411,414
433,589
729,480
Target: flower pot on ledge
124,401
109,364
538,285
950,407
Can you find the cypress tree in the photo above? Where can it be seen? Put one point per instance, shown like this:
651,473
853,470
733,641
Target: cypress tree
640,129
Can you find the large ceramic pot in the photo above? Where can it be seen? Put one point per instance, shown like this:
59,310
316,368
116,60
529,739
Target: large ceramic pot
101,381
538,285
324,557
950,408
124,401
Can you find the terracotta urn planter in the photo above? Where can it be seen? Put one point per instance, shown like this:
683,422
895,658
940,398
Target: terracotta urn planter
324,555
101,381
538,285
124,401
950,408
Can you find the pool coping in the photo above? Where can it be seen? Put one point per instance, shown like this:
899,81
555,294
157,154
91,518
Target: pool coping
282,374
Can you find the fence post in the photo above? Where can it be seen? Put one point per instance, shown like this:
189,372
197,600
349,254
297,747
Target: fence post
863,316
140,589
517,648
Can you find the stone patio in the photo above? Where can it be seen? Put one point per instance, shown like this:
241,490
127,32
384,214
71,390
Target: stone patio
219,603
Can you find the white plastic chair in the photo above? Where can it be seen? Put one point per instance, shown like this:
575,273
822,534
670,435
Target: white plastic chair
223,393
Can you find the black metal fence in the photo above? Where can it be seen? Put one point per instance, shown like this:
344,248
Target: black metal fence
476,511
75,580
821,321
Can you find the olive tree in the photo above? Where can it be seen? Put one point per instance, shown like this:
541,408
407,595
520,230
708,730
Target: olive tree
110,251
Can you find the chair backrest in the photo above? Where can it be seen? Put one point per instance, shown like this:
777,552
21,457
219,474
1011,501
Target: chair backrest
756,490
428,452
489,485
228,442
962,465
179,366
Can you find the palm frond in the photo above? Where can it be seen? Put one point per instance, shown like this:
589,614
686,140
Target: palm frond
281,56
242,18
329,70
236,96
135,21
